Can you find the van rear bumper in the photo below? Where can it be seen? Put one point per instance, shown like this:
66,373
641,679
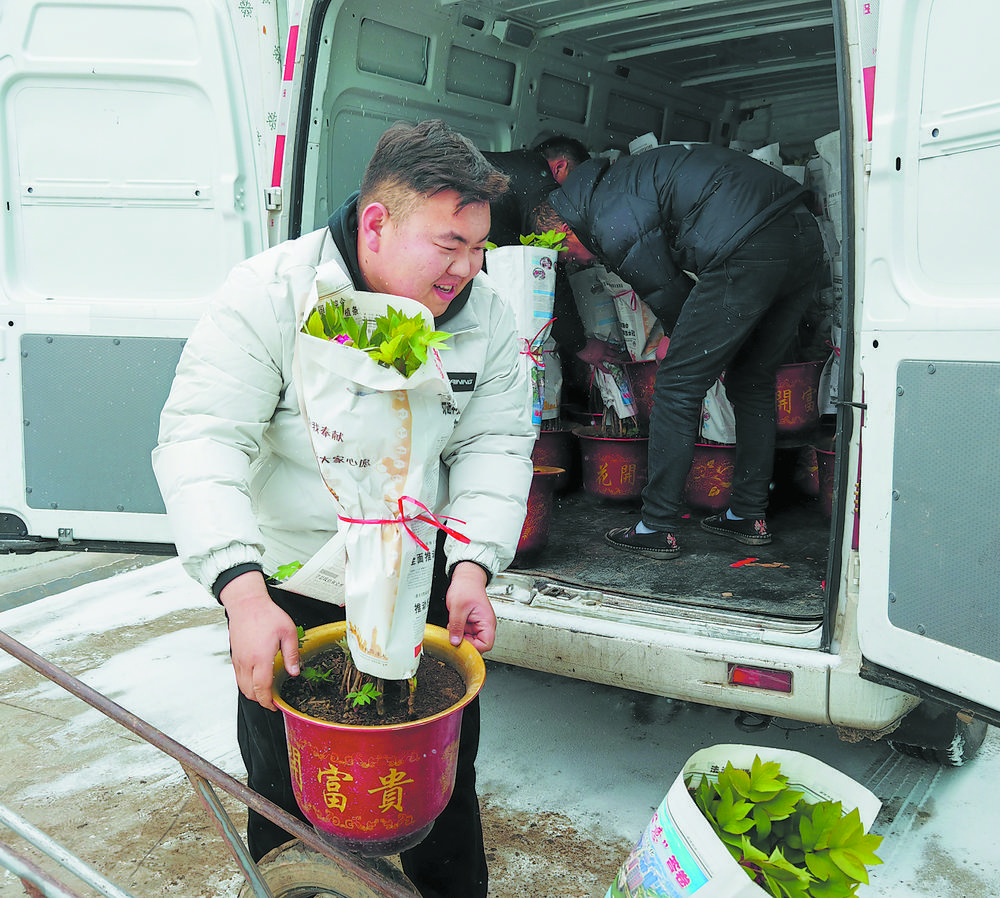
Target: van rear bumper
683,653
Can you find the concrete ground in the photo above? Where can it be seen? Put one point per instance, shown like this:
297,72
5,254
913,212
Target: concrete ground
570,772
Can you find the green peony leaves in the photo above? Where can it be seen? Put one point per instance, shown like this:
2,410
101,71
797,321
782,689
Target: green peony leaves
396,340
791,847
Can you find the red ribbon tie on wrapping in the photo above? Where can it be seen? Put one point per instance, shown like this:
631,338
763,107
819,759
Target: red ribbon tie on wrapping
533,351
428,517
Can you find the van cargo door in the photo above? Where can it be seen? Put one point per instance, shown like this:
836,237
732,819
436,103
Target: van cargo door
130,188
930,353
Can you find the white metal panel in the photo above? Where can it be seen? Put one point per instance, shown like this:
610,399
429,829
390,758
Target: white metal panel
128,160
931,299
130,175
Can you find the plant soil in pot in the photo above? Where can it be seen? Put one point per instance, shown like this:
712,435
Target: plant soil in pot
376,790
535,532
614,467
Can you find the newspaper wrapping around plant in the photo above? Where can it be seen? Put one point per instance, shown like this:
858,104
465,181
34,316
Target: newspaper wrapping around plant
552,395
595,304
636,321
525,276
616,390
377,436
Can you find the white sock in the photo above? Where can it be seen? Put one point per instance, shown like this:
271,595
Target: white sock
732,517
642,528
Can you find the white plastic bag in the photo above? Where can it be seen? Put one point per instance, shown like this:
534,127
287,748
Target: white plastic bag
679,852
718,420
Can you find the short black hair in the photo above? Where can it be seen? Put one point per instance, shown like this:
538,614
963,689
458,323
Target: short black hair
560,145
414,162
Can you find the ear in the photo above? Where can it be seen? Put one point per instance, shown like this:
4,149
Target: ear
559,168
372,222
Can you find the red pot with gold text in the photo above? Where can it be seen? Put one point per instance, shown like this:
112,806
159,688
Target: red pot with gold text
614,467
376,790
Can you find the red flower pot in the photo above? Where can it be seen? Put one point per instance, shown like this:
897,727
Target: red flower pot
535,532
555,449
376,790
797,396
613,467
709,483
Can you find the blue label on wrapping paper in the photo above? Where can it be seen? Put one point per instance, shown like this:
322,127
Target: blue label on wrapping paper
661,865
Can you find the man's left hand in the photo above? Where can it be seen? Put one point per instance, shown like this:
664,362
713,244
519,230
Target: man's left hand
470,614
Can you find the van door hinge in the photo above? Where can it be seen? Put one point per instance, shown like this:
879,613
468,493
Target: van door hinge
272,199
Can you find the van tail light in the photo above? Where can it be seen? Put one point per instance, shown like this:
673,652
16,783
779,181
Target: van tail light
760,678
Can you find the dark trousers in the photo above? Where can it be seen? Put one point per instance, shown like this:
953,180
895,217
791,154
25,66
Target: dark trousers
451,861
741,317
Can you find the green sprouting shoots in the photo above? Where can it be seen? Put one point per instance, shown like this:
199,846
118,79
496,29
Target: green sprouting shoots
365,695
395,340
549,240
315,675
300,634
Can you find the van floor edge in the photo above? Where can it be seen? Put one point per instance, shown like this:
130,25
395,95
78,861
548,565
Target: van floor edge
783,579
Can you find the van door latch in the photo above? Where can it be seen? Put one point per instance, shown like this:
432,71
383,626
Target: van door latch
272,199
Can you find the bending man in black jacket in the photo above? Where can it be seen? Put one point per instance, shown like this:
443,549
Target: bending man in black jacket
725,253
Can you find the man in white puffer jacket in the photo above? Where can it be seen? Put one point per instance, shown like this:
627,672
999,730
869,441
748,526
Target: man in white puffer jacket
242,486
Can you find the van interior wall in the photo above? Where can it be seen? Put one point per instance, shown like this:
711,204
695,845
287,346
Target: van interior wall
507,81
753,78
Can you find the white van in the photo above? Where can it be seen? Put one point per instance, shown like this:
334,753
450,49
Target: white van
148,146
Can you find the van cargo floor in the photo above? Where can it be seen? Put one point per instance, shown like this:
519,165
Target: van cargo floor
783,579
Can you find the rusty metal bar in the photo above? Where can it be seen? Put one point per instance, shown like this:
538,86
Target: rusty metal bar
64,858
34,879
224,824
354,864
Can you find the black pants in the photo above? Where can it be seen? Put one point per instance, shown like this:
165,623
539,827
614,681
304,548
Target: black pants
741,317
451,861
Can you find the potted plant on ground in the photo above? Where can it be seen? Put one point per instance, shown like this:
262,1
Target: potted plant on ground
755,822
614,450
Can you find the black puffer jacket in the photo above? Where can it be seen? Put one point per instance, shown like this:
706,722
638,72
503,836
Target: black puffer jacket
669,210
530,183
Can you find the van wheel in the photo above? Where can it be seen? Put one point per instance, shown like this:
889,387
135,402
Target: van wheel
294,871
967,734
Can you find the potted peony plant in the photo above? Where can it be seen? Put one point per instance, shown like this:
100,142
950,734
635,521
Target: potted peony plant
755,822
377,787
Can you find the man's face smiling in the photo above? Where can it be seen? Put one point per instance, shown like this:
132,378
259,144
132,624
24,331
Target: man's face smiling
430,256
